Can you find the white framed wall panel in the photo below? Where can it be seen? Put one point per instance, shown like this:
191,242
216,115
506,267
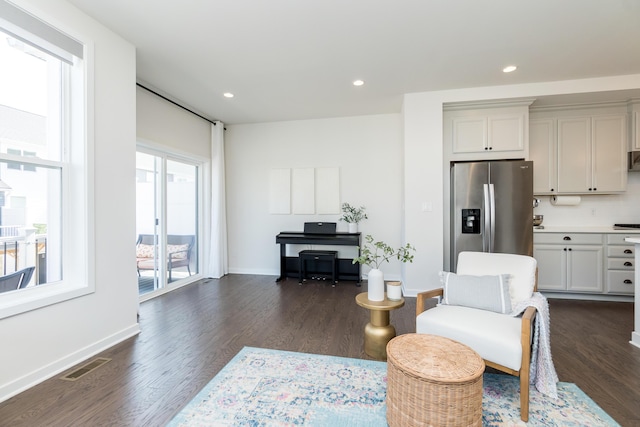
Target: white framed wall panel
327,191
303,191
280,191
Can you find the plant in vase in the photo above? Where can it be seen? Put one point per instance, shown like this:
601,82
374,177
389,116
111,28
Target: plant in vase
374,254
352,216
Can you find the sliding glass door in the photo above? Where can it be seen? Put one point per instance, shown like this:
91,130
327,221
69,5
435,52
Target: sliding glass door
167,220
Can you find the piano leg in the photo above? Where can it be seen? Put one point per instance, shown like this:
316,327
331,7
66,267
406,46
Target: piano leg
283,261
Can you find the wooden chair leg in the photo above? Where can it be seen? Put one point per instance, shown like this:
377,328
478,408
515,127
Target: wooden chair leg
524,394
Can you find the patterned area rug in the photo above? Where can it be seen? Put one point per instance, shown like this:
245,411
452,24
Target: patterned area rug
260,387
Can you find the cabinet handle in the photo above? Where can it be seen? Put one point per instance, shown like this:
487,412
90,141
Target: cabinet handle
486,148
627,282
565,249
590,189
569,248
628,251
628,264
566,238
595,189
552,189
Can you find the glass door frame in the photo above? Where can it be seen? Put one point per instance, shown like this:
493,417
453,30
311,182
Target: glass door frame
161,282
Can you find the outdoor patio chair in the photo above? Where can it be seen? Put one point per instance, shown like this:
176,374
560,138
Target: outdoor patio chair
18,280
179,248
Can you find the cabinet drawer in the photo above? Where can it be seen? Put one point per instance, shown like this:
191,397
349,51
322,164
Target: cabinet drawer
618,239
621,251
568,238
620,264
620,282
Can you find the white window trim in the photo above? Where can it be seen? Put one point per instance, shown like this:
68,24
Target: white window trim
78,217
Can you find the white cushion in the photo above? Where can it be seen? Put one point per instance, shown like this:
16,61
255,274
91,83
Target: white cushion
522,269
177,251
494,336
483,292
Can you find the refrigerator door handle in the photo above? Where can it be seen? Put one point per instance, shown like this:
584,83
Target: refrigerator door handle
492,198
486,233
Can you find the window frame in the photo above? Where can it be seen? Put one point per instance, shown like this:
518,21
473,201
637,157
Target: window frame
77,206
171,154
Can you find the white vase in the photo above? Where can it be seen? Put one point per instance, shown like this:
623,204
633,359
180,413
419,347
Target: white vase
376,285
353,227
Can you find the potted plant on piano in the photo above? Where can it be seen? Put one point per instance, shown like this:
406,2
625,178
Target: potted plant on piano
352,216
374,254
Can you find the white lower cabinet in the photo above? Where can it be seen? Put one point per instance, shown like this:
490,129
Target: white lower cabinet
569,265
620,265
591,263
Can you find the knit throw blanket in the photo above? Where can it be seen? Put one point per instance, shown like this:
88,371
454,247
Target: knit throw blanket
542,372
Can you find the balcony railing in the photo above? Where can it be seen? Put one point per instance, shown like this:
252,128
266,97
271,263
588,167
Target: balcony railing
20,249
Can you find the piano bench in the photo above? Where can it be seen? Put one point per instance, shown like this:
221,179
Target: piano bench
318,256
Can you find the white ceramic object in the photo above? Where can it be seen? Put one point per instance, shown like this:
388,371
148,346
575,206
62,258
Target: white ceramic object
376,285
394,291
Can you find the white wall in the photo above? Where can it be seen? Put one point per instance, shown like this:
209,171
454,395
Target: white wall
43,342
600,210
168,125
368,151
423,137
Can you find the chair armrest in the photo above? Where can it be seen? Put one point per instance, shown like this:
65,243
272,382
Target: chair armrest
527,318
422,297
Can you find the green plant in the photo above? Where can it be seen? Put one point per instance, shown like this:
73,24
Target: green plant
374,254
40,228
351,214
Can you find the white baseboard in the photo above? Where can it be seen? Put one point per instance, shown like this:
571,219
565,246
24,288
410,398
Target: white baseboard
55,368
254,271
635,338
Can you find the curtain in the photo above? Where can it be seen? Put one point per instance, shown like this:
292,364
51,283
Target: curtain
218,260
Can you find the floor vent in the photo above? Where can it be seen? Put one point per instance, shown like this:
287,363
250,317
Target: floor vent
84,370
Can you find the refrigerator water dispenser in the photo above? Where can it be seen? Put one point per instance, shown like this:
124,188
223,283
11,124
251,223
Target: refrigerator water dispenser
471,221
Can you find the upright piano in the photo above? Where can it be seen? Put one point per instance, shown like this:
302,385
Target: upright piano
289,264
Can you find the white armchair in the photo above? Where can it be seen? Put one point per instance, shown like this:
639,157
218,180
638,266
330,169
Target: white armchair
502,340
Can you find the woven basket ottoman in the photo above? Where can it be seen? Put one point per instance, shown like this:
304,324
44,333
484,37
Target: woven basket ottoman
433,381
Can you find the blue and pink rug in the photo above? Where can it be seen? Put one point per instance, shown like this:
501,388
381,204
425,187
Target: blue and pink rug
261,387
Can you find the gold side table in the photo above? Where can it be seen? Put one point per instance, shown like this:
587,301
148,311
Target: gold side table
378,332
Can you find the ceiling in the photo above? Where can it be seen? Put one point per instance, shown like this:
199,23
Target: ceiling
297,59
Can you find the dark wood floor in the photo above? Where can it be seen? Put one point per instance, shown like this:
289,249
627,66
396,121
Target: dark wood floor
190,334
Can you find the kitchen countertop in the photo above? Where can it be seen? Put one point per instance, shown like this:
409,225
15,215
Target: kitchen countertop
590,229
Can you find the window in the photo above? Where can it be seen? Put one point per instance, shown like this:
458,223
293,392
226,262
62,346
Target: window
42,162
19,166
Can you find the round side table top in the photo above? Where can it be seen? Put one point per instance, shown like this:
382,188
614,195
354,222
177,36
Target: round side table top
386,304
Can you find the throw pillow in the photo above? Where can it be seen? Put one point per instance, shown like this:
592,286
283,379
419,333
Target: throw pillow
144,251
482,292
177,251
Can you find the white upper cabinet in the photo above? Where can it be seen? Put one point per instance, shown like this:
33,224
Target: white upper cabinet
609,141
579,153
487,132
470,134
574,155
506,132
543,153
634,126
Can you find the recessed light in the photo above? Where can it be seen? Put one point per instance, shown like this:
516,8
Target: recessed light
228,95
509,69
358,82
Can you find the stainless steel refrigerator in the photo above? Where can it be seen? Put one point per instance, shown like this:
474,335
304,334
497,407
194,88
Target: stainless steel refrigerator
491,207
